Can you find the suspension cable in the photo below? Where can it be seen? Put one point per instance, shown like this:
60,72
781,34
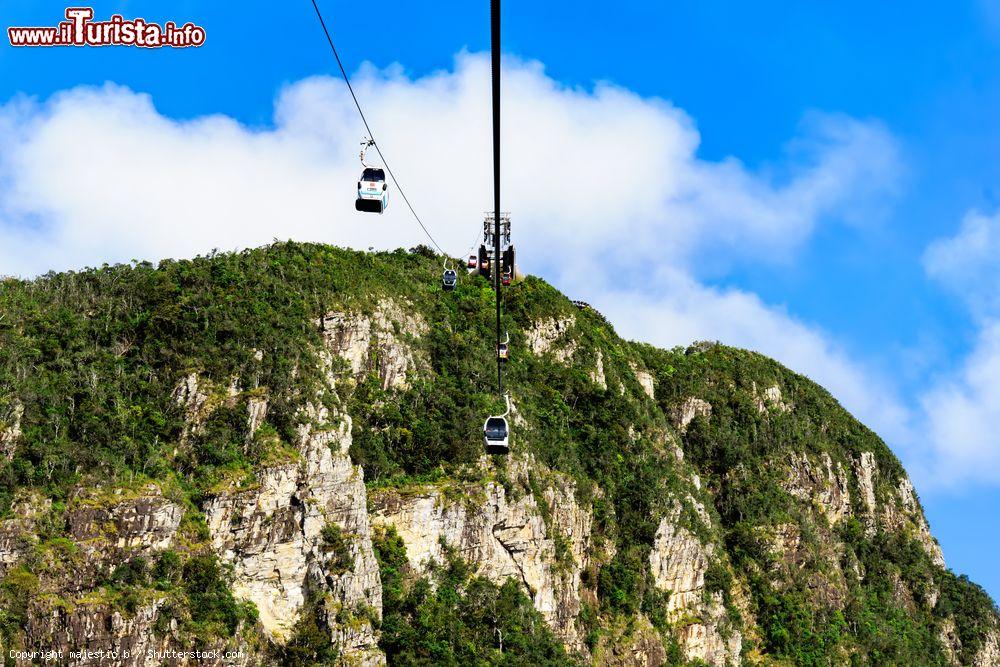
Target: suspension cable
475,240
495,67
371,135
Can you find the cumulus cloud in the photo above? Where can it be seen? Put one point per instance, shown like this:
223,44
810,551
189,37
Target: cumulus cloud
600,182
960,411
969,262
94,175
962,414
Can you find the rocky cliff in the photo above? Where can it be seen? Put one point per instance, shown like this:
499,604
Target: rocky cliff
274,457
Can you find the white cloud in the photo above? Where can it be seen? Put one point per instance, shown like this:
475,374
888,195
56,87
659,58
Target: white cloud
961,411
606,187
962,416
969,262
94,175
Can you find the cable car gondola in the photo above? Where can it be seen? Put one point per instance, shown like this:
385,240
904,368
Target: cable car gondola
505,278
373,191
472,262
373,195
449,279
503,349
496,433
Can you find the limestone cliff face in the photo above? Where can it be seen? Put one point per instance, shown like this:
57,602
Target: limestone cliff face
376,342
272,535
69,612
683,414
10,429
638,644
679,561
17,534
549,337
826,487
989,654
532,527
533,530
143,525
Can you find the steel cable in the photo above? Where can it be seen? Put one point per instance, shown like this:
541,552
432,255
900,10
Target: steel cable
371,135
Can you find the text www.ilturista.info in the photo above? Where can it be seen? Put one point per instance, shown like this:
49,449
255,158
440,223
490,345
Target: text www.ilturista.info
81,30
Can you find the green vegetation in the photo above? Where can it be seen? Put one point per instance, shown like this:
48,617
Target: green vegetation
457,618
214,611
310,642
336,543
92,362
200,598
16,590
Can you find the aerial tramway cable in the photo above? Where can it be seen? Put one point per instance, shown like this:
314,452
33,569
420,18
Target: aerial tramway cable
495,67
371,135
496,263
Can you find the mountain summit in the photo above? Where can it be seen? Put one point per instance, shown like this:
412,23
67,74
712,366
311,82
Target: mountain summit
276,457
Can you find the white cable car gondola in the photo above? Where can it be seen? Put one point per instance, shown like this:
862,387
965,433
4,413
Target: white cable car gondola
496,434
373,191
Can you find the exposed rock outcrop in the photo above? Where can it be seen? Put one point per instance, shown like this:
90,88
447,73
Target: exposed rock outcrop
17,534
770,398
114,639
273,535
376,342
821,484
140,525
645,380
902,512
905,514
685,413
637,644
597,376
948,636
71,611
98,628
256,413
544,336
10,429
989,654
503,536
679,562
191,396
865,470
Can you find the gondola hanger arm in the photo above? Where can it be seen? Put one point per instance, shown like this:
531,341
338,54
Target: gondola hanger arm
366,143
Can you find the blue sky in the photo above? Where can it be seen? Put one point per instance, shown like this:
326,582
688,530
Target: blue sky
865,134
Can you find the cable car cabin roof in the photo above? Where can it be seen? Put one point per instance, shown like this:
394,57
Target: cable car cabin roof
372,174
